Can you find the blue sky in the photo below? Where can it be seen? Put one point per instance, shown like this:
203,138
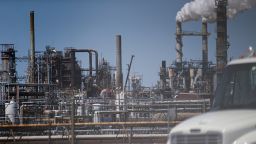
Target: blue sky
147,28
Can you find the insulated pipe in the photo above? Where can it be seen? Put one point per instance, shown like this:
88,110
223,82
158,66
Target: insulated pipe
96,62
119,75
179,44
90,51
90,63
21,114
90,57
204,46
32,47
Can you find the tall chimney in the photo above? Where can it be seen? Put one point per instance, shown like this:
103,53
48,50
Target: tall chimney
221,41
119,75
178,45
32,47
204,46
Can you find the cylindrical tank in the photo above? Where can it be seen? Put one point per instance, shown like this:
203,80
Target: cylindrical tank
199,72
11,110
171,73
106,93
96,107
96,117
191,72
192,75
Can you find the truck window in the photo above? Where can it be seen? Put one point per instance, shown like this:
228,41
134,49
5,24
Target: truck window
238,88
253,78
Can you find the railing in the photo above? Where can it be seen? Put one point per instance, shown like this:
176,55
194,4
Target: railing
142,117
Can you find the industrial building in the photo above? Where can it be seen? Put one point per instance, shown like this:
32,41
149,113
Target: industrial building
60,101
194,76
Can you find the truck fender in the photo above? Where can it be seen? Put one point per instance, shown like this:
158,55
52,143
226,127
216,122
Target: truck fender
247,138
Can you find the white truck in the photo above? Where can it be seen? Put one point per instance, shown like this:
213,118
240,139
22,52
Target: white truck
232,119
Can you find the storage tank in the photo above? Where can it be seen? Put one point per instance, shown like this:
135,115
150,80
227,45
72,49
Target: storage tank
11,111
96,117
192,75
96,107
199,72
171,74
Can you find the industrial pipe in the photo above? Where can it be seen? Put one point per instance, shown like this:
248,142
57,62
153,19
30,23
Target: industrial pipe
96,62
89,51
90,57
21,114
90,63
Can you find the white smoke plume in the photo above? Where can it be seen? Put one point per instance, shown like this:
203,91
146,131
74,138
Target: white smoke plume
197,9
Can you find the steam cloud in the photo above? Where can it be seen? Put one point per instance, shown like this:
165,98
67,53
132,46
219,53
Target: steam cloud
206,9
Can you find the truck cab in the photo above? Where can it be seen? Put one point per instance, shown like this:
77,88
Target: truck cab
232,118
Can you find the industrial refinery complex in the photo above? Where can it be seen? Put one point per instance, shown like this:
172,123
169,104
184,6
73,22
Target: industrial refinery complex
61,101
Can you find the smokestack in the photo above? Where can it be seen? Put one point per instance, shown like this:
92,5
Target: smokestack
32,47
119,75
204,46
178,44
197,9
221,41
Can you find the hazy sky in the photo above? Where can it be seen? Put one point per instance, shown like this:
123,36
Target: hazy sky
147,28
